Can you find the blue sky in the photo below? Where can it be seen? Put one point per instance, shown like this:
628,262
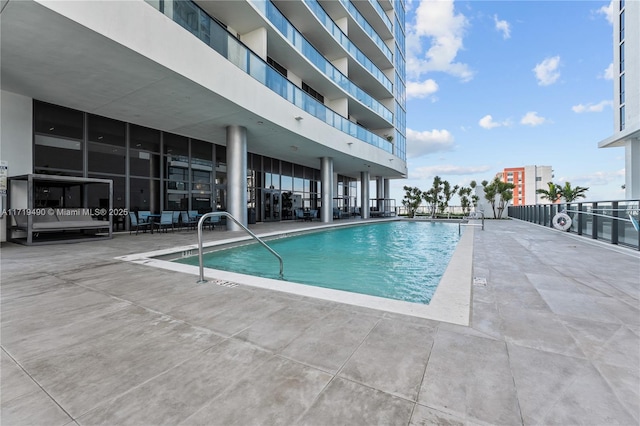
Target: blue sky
495,84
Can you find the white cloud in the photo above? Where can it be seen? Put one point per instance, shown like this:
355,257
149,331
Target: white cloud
503,27
608,72
439,30
547,71
532,119
487,122
607,11
428,142
446,169
599,107
421,89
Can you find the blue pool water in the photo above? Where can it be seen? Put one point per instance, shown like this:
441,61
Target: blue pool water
396,260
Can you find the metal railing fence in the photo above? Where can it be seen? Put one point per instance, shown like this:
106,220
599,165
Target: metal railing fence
608,221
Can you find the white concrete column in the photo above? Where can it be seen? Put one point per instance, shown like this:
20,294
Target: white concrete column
364,192
632,167
237,175
16,147
379,187
326,178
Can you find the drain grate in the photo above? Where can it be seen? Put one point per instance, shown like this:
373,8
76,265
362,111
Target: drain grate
480,281
228,284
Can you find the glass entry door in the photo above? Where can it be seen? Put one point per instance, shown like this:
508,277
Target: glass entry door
271,205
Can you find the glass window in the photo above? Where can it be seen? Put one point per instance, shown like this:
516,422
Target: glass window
622,123
622,89
99,194
58,137
57,153
55,120
57,195
143,163
221,155
105,130
201,203
106,158
201,180
201,154
176,201
144,195
176,146
286,183
107,153
622,57
144,139
622,25
177,178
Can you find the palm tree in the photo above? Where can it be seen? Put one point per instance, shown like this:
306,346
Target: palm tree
498,192
412,200
571,194
553,194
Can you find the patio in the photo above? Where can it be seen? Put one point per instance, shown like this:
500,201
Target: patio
87,339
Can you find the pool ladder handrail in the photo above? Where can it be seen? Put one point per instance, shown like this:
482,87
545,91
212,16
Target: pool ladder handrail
461,223
255,237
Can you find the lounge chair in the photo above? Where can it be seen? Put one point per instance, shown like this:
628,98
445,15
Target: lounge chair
187,221
214,220
166,221
176,219
299,214
138,226
143,216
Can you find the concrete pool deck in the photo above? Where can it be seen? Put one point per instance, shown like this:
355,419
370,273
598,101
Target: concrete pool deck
554,338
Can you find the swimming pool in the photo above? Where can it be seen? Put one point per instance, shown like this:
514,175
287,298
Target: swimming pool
400,260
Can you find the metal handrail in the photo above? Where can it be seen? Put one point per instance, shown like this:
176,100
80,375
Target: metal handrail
460,224
226,214
598,214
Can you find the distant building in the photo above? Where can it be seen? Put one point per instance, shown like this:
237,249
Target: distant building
626,86
527,180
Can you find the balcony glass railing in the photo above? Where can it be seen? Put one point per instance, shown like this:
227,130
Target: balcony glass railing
382,13
344,41
271,13
367,28
188,15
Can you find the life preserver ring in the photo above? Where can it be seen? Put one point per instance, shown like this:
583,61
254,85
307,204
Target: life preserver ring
562,221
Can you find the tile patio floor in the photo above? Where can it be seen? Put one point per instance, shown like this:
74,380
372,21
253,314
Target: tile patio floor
88,340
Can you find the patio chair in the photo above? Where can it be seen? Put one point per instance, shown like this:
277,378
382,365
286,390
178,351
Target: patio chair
166,221
138,226
299,214
214,220
187,221
176,219
143,216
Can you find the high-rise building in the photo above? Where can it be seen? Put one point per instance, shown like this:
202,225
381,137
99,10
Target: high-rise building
248,106
626,86
527,180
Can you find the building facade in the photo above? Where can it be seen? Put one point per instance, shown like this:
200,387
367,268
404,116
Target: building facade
527,180
249,106
626,88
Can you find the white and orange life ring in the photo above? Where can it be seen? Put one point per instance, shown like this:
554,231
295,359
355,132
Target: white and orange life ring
562,221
